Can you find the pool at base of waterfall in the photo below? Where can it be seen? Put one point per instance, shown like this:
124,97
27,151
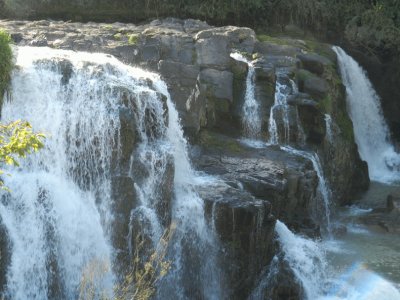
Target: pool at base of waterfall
364,260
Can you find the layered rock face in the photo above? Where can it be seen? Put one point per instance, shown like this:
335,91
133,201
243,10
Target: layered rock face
256,186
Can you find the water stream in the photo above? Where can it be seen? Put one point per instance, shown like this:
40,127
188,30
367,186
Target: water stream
370,128
251,119
60,215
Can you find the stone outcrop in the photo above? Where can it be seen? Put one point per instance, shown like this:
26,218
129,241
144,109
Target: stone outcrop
385,219
256,186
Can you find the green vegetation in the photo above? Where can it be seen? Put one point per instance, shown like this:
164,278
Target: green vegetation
6,64
118,36
139,283
16,141
133,39
17,138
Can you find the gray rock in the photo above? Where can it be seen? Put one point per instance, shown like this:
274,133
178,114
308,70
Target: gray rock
275,49
316,87
314,62
301,99
218,82
245,228
213,52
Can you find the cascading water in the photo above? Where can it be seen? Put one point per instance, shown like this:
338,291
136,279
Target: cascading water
370,129
329,128
306,258
59,215
281,94
251,118
323,187
193,235
281,111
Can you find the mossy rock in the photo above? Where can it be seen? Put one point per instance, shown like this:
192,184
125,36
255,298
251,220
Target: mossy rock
217,142
133,39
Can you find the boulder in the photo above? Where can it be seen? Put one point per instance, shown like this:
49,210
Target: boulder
302,99
314,63
213,46
316,87
245,228
281,282
218,89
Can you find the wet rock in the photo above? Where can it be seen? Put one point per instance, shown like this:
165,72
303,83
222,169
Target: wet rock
392,202
5,255
182,80
386,219
288,182
245,228
313,122
127,136
302,99
124,199
218,87
282,284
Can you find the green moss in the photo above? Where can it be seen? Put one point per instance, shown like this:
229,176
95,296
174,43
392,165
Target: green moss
108,27
320,48
133,39
218,142
222,106
118,36
302,75
345,125
270,39
325,105
6,63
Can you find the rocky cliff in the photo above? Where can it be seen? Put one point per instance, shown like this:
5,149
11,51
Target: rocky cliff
256,186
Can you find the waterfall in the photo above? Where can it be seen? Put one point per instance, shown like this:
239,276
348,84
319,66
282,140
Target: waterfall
193,235
323,187
306,259
282,91
370,129
329,128
251,118
61,213
285,87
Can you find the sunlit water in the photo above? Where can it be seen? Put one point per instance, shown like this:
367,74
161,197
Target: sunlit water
59,215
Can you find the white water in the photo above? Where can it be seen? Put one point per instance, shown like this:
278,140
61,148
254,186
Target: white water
370,129
282,93
59,213
323,281
251,119
329,128
306,258
188,212
323,186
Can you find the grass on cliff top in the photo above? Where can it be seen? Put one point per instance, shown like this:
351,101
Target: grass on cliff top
6,63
